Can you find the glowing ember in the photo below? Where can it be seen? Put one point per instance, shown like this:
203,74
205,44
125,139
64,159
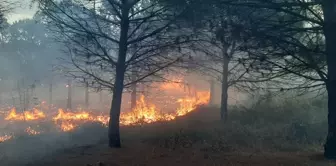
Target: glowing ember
31,131
26,115
67,126
5,138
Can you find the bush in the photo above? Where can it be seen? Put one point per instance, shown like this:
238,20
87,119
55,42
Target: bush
288,122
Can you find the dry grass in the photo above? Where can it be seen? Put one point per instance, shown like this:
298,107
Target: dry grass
268,134
201,139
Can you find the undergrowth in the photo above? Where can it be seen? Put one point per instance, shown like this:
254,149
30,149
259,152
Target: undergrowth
273,125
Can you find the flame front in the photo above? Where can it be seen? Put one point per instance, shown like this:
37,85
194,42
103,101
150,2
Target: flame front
62,115
68,121
144,112
189,104
26,115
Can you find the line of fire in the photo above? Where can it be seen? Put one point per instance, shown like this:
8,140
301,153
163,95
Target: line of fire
177,98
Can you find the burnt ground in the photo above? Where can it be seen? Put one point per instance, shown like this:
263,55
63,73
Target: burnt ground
197,139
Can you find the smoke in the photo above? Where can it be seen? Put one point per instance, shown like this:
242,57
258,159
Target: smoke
26,149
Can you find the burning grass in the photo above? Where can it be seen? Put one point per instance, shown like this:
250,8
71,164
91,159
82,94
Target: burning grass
35,114
66,121
266,134
189,135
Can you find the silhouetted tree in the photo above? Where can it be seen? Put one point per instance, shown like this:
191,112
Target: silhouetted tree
295,45
291,44
220,36
329,26
5,7
26,54
99,35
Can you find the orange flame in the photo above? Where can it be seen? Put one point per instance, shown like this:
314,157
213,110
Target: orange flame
62,115
70,120
26,115
189,104
103,120
144,112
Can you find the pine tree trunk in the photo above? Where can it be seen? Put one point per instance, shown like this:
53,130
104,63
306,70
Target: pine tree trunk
69,102
133,96
329,10
134,90
50,96
101,97
113,132
20,95
224,96
87,95
27,103
212,92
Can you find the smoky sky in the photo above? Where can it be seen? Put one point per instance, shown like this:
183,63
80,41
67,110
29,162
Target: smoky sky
22,10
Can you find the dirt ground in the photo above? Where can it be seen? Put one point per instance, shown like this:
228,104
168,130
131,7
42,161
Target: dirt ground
137,155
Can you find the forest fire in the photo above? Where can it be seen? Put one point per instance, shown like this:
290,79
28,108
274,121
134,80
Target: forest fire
25,116
189,104
62,115
68,121
145,112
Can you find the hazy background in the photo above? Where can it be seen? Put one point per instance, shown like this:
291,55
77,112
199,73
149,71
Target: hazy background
24,10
